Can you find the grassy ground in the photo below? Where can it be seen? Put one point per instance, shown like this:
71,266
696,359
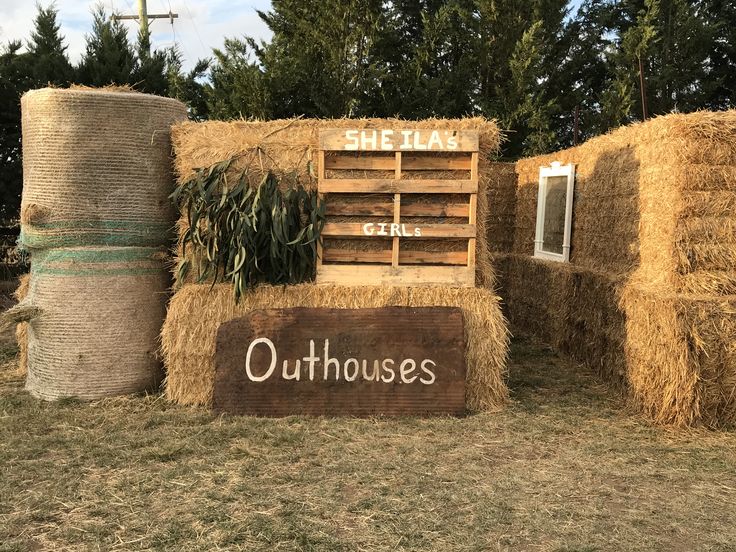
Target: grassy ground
565,468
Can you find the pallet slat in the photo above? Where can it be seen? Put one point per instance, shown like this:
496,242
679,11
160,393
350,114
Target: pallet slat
392,186
408,163
460,276
386,209
371,140
356,229
337,255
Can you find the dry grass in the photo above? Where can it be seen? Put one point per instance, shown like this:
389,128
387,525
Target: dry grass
564,469
196,312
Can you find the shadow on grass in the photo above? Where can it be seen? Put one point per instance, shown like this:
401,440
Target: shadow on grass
540,379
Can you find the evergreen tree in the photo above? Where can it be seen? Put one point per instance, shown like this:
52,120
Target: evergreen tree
521,48
151,71
48,51
15,79
238,88
317,61
672,43
108,57
721,19
187,87
432,68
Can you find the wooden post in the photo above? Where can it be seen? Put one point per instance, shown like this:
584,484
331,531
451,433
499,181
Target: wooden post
320,198
143,17
395,246
472,207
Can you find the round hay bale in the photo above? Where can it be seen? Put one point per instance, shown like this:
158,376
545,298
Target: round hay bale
96,168
95,316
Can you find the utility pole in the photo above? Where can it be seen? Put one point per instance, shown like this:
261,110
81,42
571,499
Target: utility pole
143,17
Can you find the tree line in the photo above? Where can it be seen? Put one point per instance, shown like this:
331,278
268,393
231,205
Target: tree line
552,75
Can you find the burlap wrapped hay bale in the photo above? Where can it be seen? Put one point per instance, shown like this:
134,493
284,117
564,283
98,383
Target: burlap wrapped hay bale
196,312
93,317
96,168
289,149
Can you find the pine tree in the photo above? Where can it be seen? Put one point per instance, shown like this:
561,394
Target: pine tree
721,78
48,51
670,45
431,70
15,78
520,51
317,61
187,87
238,88
150,73
109,57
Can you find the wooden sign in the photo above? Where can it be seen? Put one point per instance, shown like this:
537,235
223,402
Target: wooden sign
408,202
360,362
369,139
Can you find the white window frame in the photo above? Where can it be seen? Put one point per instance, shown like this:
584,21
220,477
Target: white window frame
555,169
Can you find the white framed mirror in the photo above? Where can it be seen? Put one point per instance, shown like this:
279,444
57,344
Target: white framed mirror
554,212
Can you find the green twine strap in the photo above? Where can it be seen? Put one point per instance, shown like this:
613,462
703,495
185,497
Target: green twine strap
97,232
96,262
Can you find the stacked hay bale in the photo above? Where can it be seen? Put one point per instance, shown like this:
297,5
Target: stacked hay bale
96,218
290,150
648,298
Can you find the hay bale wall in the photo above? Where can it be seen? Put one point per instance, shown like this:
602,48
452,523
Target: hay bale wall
289,149
648,297
196,311
654,201
501,193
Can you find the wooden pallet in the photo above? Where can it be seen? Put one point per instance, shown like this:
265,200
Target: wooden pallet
379,206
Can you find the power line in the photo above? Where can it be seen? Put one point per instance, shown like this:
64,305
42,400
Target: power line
143,17
194,24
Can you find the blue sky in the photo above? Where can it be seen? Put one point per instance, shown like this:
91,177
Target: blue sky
201,25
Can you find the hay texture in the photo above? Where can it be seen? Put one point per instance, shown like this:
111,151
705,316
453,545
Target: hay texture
647,299
92,321
289,148
21,330
96,168
654,201
501,194
196,312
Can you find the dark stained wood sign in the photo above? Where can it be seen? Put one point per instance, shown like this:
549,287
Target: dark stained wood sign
360,362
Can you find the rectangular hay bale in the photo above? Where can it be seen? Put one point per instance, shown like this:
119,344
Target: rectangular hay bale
196,312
